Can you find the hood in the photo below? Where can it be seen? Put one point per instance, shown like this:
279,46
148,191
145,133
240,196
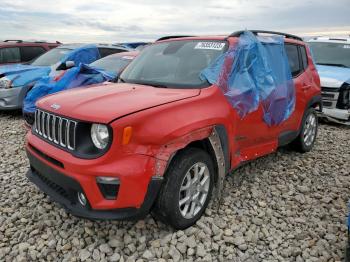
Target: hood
106,102
333,76
21,75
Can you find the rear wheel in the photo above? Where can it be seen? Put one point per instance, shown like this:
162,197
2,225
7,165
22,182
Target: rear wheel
308,133
186,190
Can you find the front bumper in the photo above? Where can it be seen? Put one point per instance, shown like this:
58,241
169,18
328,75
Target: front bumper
341,116
10,98
64,189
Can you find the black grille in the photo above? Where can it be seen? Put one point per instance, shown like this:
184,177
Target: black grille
57,188
328,95
327,104
56,129
46,157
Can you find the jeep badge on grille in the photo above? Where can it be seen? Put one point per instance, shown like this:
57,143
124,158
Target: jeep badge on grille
55,106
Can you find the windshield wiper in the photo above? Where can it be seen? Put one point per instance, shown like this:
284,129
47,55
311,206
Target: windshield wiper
158,85
121,80
331,64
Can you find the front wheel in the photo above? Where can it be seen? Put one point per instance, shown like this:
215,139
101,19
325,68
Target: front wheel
186,190
308,132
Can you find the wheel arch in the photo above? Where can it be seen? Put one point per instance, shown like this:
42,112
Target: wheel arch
216,144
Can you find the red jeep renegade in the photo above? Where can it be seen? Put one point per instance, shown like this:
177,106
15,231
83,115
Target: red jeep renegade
163,137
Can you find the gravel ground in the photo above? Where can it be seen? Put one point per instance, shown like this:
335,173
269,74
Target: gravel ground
284,207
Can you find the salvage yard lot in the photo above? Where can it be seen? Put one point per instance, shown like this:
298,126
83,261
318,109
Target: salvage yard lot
283,207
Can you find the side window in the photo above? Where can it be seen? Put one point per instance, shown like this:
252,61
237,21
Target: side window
109,51
30,52
10,55
293,59
304,56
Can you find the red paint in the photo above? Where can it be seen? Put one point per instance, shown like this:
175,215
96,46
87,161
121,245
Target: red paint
162,121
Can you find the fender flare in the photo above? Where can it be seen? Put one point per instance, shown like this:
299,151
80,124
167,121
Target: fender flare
220,145
218,141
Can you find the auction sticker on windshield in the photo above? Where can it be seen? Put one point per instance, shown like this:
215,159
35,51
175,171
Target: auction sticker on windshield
210,45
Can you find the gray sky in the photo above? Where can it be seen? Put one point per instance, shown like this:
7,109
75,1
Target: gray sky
114,21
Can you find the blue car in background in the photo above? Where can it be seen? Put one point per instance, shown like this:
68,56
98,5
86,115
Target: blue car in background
102,70
17,80
332,57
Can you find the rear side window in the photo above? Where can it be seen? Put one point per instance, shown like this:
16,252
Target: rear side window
293,59
109,51
303,56
10,55
30,52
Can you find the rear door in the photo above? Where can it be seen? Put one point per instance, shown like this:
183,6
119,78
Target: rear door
298,63
10,55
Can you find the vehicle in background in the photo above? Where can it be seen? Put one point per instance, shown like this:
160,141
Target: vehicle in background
332,58
19,51
180,118
133,45
17,80
116,63
104,69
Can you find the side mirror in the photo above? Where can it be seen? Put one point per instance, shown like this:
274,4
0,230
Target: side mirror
66,65
70,64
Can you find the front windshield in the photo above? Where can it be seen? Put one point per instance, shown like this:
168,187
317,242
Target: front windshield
113,63
333,54
175,64
51,57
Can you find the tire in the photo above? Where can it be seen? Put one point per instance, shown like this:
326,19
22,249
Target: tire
308,132
178,177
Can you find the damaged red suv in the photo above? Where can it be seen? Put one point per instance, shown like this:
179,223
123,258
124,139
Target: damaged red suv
185,113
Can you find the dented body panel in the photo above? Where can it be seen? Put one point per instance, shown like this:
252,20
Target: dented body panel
163,121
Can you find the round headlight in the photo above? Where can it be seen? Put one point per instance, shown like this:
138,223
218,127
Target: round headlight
100,135
5,82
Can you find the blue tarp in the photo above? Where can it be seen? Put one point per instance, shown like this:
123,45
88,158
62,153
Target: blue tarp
82,75
22,75
255,72
85,54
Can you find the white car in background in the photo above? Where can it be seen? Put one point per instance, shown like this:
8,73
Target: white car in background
332,58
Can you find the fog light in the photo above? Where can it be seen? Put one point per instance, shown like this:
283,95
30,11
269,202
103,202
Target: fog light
82,199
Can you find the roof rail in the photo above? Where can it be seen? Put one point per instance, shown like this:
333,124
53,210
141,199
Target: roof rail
13,40
255,32
172,36
32,41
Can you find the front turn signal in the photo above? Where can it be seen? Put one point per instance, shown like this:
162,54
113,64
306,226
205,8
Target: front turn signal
127,133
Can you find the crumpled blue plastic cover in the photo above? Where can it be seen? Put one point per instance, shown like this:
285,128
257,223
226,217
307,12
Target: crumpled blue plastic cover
22,75
85,54
82,75
255,72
